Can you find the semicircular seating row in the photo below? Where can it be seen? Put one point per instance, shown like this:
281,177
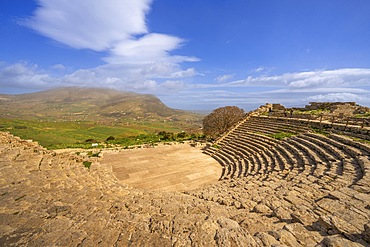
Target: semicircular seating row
311,187
249,150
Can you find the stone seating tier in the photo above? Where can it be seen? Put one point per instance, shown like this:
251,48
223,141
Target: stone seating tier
306,190
331,164
294,152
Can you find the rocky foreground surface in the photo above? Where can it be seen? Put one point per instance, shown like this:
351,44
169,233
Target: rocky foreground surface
294,192
53,200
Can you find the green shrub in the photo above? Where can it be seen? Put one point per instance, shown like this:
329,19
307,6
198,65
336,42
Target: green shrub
181,135
216,146
110,138
87,164
321,131
282,135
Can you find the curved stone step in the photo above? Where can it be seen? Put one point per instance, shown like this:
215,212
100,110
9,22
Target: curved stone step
259,144
300,159
280,161
249,149
313,159
335,152
348,150
322,157
321,152
287,157
357,134
257,127
281,125
363,183
362,147
233,159
263,139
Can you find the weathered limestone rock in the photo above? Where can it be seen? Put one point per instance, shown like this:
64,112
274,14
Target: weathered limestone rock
58,210
231,234
325,224
366,232
338,240
265,239
282,214
303,236
303,215
261,208
285,237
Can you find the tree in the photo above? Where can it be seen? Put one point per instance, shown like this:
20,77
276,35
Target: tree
110,138
221,119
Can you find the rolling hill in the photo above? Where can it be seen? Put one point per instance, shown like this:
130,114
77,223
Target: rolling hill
90,104
67,116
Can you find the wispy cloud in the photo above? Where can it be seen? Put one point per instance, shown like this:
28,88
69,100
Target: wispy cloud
336,97
348,84
258,70
350,77
59,67
224,78
30,76
177,93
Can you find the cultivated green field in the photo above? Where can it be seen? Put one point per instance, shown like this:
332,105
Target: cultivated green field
56,135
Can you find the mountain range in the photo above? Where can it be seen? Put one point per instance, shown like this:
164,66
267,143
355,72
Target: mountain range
90,104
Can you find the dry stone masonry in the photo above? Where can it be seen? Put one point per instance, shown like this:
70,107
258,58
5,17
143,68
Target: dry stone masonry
305,189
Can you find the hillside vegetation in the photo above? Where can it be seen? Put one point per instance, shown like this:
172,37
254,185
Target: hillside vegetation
65,116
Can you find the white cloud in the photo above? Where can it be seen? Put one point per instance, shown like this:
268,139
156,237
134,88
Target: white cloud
110,26
133,55
224,78
91,24
344,97
59,67
149,85
323,78
320,90
291,89
258,70
151,47
176,92
29,76
173,85
24,75
184,73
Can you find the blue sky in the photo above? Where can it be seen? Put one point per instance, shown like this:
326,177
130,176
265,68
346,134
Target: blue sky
191,54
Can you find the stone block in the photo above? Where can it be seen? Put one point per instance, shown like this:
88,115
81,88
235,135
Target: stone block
337,241
366,233
285,237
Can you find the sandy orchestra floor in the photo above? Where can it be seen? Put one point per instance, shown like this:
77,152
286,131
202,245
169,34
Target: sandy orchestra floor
166,167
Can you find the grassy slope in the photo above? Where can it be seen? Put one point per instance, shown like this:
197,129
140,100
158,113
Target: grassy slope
61,134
